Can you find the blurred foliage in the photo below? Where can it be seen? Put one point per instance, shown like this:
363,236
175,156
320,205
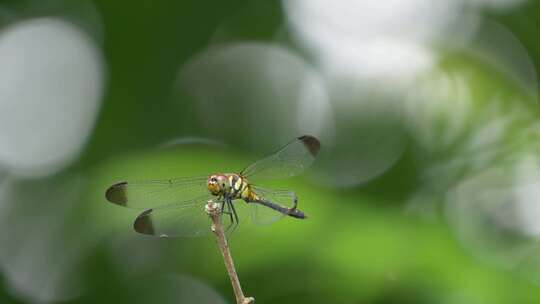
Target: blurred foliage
358,245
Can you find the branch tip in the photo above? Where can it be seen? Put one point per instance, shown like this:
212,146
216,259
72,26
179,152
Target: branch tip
213,210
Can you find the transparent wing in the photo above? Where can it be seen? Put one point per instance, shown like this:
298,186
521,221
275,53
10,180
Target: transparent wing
154,193
188,220
290,160
262,215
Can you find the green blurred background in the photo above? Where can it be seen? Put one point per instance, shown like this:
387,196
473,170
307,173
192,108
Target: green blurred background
427,188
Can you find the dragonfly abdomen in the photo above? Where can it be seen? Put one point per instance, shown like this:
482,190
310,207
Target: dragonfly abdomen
287,211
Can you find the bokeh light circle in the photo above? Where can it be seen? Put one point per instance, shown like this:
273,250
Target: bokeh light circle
495,214
50,88
257,93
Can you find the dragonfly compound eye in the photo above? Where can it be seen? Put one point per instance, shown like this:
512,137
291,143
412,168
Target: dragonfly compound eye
214,186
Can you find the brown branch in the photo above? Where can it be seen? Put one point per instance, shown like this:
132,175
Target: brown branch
214,212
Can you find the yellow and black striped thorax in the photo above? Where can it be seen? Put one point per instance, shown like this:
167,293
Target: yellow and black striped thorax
239,186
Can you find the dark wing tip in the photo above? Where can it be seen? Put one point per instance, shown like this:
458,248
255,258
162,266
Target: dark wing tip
116,194
143,223
312,143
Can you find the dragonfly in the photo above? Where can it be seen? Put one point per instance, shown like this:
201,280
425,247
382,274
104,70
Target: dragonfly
175,207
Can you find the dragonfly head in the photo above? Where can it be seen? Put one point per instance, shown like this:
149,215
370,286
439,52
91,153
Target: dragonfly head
217,184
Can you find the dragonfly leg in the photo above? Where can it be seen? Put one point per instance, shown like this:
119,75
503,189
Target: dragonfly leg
223,207
231,218
295,203
228,211
237,221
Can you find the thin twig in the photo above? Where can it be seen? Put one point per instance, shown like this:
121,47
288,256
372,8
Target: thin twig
214,212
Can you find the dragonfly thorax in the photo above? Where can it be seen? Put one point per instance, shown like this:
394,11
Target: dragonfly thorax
230,184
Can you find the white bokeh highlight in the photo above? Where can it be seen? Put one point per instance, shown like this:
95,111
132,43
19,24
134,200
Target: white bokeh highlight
376,39
261,90
428,104
496,46
39,262
527,195
495,212
50,88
